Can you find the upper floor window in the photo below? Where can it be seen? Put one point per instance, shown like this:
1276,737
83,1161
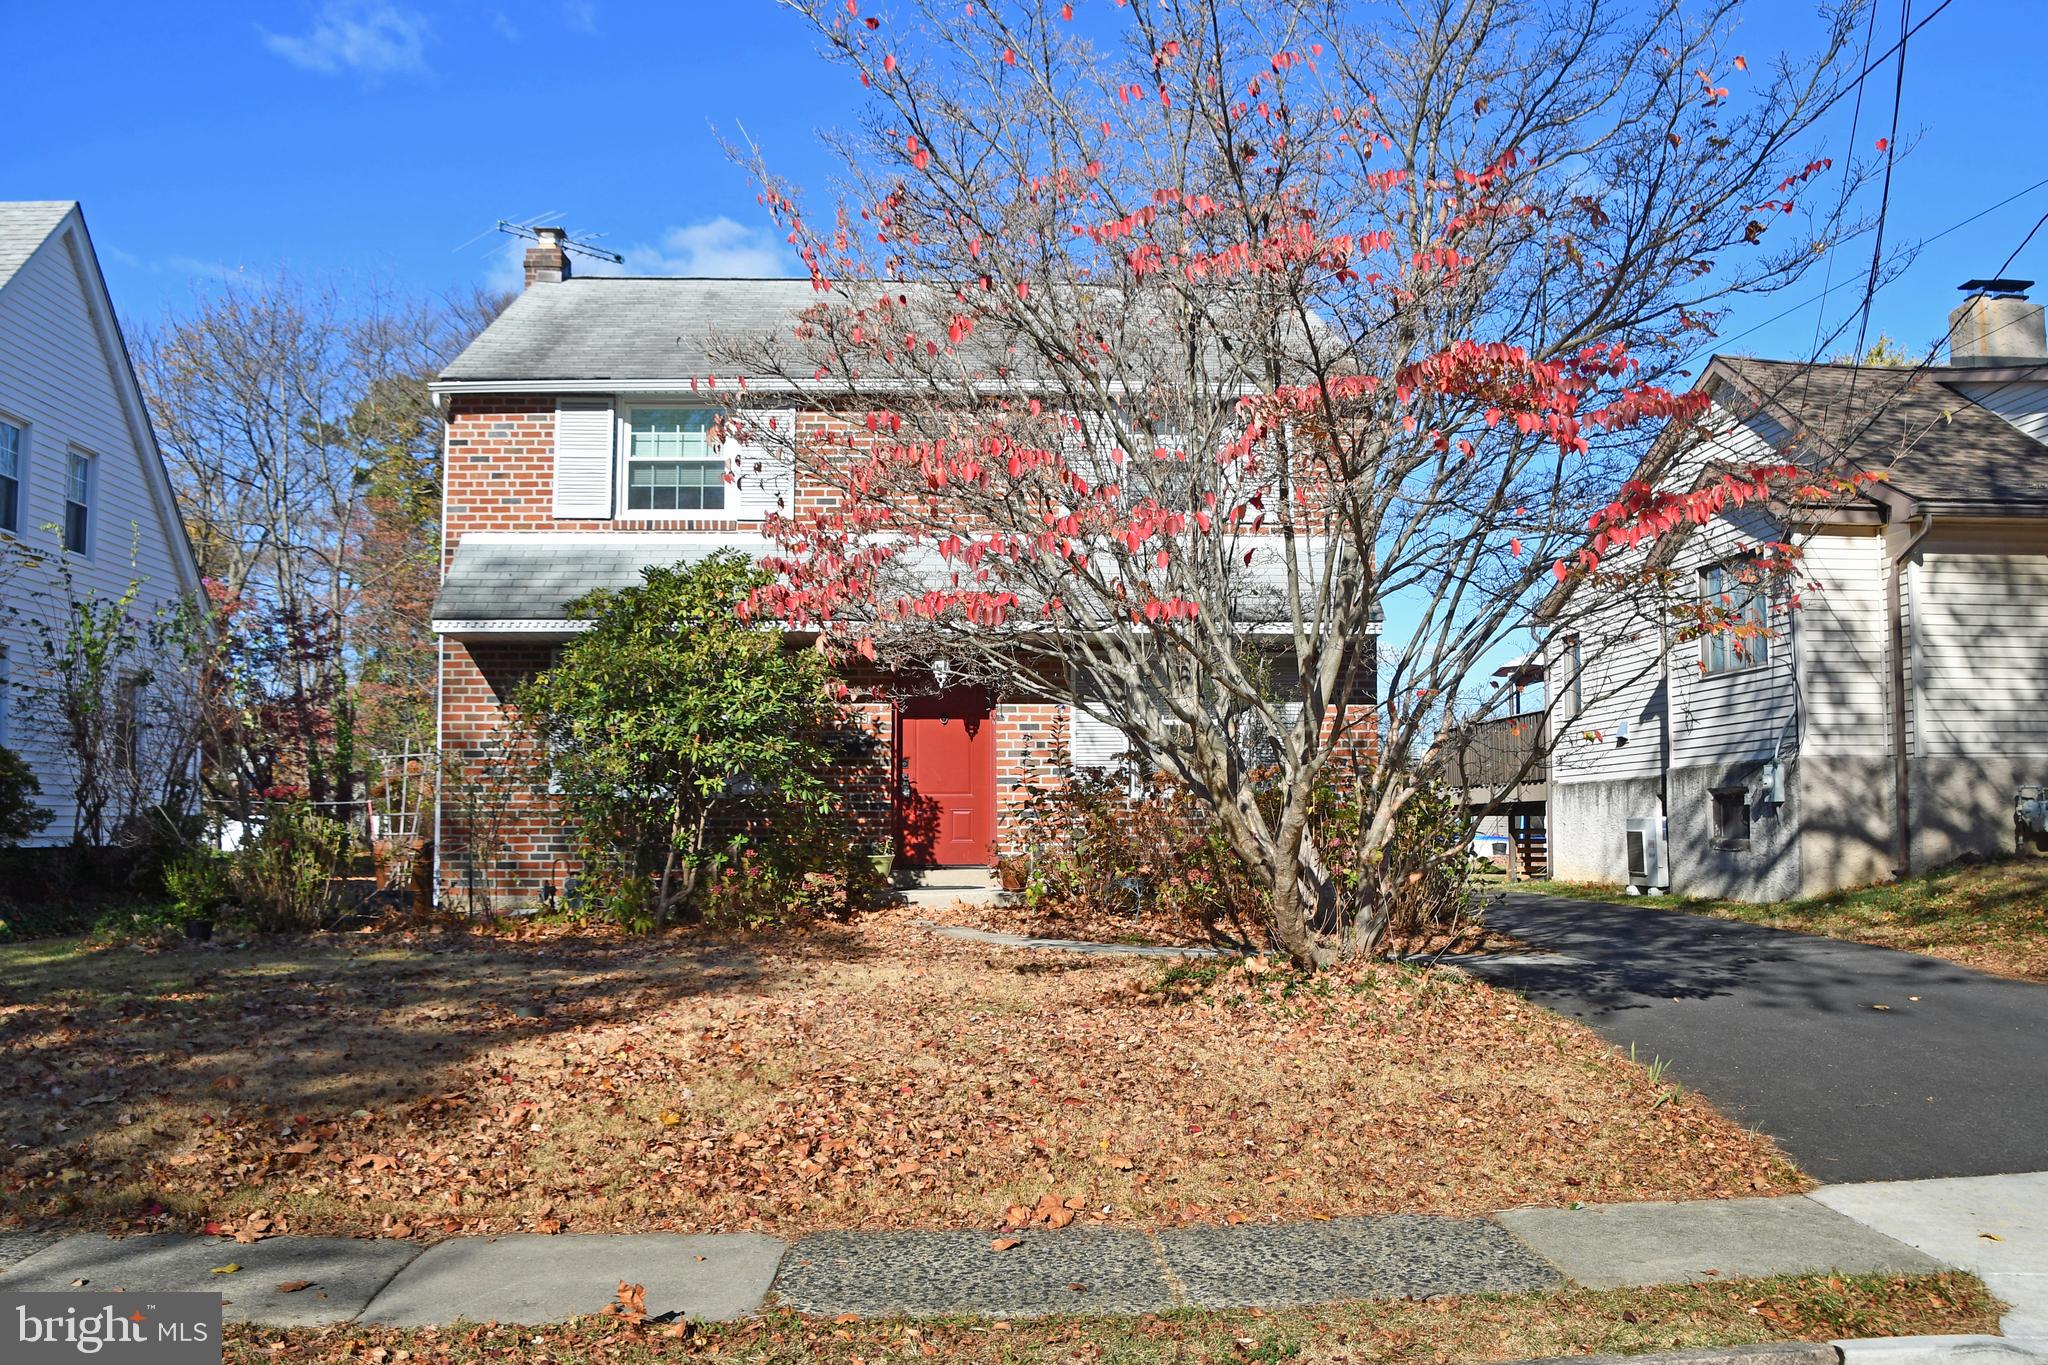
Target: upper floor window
1736,614
78,503
10,476
673,461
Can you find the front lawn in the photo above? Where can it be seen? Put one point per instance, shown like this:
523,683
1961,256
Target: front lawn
1483,1327
868,1075
1991,916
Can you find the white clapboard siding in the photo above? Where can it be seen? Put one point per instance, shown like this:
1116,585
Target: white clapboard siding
1982,674
66,383
2025,405
1737,714
584,432
759,463
1841,633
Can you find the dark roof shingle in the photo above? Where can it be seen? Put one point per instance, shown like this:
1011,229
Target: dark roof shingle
1933,442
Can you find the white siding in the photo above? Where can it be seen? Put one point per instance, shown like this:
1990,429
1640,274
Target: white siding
1982,672
2025,405
1743,713
1841,643
63,376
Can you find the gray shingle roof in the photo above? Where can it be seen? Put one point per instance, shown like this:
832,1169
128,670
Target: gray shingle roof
593,330
1936,444
24,226
608,327
508,579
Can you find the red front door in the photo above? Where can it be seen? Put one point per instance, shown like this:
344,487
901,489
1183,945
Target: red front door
946,804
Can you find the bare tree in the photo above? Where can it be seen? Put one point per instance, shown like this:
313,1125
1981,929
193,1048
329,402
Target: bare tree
306,457
1181,344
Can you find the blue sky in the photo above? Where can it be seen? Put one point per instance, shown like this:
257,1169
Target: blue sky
382,139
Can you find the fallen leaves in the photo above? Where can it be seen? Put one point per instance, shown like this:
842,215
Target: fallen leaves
293,1286
231,1268
868,1074
1006,1244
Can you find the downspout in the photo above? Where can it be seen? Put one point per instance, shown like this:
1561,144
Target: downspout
1664,739
1895,620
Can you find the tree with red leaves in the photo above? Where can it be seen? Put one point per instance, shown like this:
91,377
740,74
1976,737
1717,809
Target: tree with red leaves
1181,344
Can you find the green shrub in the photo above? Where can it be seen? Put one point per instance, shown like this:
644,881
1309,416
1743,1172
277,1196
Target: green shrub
198,883
284,875
671,721
20,816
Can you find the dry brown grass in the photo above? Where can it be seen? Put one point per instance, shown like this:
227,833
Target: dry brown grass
859,1076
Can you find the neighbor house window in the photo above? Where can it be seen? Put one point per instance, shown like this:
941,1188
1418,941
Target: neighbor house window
78,502
1736,614
10,476
673,464
1731,817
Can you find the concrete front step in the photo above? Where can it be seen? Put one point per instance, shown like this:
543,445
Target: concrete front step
954,879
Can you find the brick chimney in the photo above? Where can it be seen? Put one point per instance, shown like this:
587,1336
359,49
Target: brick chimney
1997,326
547,262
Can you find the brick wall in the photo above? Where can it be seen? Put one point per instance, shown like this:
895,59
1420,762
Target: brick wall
499,477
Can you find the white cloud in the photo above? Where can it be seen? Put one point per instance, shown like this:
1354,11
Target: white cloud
580,15
355,35
717,247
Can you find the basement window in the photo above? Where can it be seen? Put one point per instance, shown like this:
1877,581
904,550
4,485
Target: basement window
1731,817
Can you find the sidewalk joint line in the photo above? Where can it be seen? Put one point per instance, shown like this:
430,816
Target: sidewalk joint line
1173,1284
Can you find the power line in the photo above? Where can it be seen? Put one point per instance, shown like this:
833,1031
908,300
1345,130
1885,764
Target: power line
1884,204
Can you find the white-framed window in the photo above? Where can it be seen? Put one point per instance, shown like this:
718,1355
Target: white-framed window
1737,612
674,463
78,481
13,439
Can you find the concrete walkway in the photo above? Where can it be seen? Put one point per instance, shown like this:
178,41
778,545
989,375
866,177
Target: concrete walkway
314,1281
1864,1063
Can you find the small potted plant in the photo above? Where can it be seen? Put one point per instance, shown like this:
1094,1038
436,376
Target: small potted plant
1012,873
883,855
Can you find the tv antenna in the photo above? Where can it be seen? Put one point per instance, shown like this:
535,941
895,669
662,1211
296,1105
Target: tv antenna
569,245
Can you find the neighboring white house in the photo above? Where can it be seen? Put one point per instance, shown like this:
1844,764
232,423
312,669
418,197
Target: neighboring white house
80,474
1883,725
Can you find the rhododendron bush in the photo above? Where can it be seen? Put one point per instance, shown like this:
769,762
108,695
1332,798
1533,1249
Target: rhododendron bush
1175,347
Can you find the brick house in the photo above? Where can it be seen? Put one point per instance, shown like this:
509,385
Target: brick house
579,452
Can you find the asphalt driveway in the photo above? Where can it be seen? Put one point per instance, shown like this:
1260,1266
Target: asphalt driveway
1864,1063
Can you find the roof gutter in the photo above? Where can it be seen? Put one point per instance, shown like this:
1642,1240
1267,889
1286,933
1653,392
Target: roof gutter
1895,621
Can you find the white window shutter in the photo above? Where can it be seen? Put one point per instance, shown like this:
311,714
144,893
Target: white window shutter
1093,742
758,461
584,432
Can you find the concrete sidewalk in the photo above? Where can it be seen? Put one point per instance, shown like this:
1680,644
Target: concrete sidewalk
312,1281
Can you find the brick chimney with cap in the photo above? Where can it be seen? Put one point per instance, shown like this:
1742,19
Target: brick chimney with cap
1996,325
547,260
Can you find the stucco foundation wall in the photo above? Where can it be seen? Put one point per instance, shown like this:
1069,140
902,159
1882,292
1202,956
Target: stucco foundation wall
1845,827
1587,826
1962,807
1767,869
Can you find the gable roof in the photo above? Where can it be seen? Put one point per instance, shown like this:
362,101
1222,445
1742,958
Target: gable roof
607,333
24,226
1934,443
611,328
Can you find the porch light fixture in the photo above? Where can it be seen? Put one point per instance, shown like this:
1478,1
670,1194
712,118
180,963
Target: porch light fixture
942,669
